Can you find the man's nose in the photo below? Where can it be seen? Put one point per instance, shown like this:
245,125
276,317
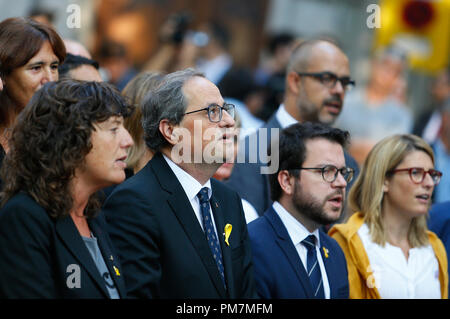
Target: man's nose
340,180
338,88
227,119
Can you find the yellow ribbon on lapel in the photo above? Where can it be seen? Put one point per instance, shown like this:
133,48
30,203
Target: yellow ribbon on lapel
227,233
116,270
325,251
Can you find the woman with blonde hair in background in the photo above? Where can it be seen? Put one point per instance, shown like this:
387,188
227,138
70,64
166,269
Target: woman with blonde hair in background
389,251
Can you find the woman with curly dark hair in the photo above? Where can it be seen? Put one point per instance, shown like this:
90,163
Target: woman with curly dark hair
68,143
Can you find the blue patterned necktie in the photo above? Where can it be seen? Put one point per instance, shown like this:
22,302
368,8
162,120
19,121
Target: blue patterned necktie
313,268
208,227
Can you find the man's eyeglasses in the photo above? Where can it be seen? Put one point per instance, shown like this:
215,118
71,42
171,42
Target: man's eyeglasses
215,111
329,79
330,172
417,174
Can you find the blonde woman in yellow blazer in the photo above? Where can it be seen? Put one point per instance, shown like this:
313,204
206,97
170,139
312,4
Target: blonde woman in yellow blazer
387,237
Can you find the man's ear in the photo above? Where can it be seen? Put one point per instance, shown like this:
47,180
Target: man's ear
286,182
168,130
292,80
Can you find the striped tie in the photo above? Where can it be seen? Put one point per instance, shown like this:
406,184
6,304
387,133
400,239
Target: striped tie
208,226
313,268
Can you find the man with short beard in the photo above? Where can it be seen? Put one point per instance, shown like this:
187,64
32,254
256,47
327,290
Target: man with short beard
292,257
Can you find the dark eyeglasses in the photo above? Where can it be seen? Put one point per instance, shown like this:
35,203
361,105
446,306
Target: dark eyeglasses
329,79
417,174
330,172
215,111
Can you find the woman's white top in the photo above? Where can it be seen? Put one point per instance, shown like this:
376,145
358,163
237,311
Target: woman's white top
397,277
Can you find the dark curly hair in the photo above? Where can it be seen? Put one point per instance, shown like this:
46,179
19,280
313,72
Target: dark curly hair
51,139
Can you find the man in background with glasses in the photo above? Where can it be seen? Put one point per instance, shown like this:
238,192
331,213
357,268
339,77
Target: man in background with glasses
292,257
317,79
179,233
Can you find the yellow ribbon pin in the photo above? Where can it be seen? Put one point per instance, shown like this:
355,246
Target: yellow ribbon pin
116,270
228,229
325,251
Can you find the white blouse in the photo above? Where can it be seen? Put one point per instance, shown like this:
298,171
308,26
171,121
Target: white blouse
396,277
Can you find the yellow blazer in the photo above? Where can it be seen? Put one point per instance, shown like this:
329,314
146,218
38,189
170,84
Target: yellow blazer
360,274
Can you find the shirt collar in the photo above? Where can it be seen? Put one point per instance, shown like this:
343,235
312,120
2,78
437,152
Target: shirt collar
190,185
297,232
284,118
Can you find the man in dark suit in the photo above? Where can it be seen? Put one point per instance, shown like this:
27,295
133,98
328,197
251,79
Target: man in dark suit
292,257
160,219
317,78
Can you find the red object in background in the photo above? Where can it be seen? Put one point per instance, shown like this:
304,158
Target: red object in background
418,14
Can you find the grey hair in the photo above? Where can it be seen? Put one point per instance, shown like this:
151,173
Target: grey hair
166,102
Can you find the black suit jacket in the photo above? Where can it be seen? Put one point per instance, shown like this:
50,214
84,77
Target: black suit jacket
162,247
41,257
247,179
279,271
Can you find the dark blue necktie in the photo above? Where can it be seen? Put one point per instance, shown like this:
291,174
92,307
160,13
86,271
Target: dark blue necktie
208,227
313,268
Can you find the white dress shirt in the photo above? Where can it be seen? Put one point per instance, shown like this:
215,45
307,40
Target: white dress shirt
297,232
191,187
284,118
398,277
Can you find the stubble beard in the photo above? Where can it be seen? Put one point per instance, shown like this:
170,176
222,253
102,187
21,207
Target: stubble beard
309,207
309,112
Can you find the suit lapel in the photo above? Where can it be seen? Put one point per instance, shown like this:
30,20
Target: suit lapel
110,259
181,207
217,210
69,234
286,245
272,122
264,140
327,263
